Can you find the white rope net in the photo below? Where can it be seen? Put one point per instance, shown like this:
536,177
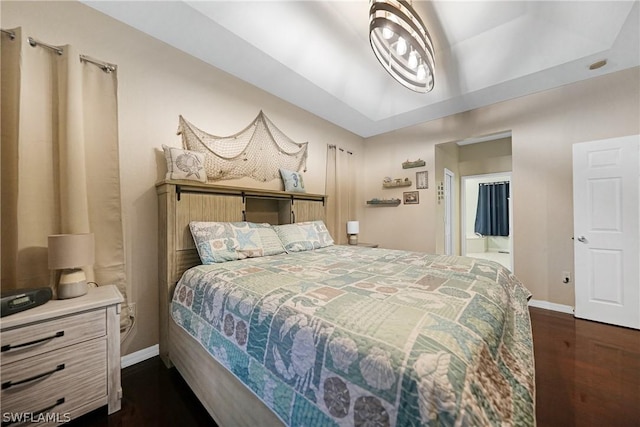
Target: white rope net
258,151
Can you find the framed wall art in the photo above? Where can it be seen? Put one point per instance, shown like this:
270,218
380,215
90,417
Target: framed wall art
410,197
422,180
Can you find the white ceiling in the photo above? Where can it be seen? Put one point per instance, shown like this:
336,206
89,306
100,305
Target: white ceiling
316,54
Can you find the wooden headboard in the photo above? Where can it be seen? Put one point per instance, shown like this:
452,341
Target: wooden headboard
180,202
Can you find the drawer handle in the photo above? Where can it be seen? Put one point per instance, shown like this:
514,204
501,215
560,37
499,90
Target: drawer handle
35,414
12,347
8,384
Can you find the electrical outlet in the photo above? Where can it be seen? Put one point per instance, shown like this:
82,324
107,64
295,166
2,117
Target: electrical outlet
132,309
566,277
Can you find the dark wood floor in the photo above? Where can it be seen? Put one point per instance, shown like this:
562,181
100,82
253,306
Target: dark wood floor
152,396
587,374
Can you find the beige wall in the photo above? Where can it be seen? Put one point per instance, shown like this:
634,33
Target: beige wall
156,84
544,126
487,157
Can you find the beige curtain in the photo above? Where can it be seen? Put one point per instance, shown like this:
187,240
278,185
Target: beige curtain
340,191
60,163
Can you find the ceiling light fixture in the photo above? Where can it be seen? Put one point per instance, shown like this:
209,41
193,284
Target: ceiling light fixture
402,44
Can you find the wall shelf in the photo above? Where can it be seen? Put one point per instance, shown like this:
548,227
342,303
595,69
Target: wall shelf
397,183
384,202
413,164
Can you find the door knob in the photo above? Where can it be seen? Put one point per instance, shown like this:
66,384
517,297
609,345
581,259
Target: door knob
582,239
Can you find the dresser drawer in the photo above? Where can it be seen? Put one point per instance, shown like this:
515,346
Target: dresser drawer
71,377
38,338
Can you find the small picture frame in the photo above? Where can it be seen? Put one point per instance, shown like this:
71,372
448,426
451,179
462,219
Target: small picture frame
422,180
411,197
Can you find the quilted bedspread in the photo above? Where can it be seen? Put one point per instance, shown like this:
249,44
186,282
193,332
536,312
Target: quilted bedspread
358,336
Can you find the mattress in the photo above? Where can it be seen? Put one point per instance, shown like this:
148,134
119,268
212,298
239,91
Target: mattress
348,335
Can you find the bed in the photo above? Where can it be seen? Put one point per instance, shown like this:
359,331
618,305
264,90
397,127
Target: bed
323,334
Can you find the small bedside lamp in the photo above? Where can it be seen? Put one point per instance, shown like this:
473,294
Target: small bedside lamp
69,252
353,228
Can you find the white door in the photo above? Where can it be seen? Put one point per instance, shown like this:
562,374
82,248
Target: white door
606,210
449,246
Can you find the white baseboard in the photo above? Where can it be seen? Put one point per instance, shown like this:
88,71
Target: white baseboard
139,356
551,306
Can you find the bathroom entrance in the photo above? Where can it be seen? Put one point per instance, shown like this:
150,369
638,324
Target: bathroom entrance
483,237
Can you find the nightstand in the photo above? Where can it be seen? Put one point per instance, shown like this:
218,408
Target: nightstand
62,359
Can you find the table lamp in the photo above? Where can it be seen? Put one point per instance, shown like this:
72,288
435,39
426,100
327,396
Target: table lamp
353,228
69,252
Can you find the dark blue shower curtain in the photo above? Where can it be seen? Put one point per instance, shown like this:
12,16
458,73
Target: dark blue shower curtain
492,214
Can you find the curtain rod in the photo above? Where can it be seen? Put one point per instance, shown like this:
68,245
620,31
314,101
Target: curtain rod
105,66
11,34
33,42
493,183
338,148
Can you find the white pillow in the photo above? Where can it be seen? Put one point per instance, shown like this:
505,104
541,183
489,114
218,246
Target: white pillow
184,164
303,236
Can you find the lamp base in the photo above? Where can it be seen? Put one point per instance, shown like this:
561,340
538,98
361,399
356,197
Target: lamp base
353,239
72,284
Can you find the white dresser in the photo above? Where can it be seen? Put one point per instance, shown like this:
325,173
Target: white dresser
62,359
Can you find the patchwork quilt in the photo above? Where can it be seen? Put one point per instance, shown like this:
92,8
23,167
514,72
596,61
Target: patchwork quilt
347,335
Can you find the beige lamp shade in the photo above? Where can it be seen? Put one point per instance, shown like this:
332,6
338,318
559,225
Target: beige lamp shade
71,250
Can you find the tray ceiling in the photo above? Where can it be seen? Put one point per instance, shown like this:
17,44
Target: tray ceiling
316,54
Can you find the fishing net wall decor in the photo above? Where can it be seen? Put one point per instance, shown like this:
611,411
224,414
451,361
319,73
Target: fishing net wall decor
258,151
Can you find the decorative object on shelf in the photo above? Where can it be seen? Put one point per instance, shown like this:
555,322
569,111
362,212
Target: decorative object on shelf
258,151
411,197
413,164
422,180
440,191
353,228
70,252
184,164
292,181
402,44
384,202
398,182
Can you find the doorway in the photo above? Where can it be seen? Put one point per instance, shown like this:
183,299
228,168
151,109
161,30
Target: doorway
489,154
493,248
